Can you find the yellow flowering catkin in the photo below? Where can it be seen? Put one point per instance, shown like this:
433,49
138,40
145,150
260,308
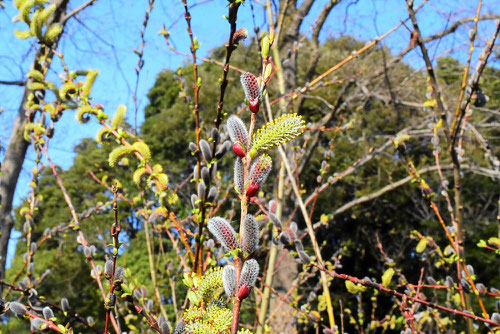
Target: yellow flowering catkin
277,132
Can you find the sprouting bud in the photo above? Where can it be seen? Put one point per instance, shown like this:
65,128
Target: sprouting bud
249,274
201,190
86,251
449,282
163,325
205,175
470,269
229,280
119,274
260,169
272,206
293,230
110,301
26,227
31,268
212,194
214,133
93,250
149,305
193,147
239,35
431,280
108,269
65,305
17,308
223,150
47,313
25,257
480,288
252,91
98,268
33,246
276,221
224,232
239,183
284,238
137,294
237,131
206,150
250,234
304,258
298,245
90,321
465,285
38,324
22,285
194,199
210,243
496,318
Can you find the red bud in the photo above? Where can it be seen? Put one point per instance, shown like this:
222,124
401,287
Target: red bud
244,292
254,105
239,150
252,190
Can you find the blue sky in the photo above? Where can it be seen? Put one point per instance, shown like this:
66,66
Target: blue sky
107,33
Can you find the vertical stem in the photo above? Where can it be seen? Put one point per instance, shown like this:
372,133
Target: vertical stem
272,258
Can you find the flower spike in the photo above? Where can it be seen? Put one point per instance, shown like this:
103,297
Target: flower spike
250,235
258,174
224,232
252,91
277,132
238,134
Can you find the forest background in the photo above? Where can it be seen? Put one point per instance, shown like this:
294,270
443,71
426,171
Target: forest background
371,215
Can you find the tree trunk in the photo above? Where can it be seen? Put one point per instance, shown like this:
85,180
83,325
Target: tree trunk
16,151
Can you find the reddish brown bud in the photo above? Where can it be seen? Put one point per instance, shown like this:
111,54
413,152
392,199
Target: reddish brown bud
239,150
244,292
252,190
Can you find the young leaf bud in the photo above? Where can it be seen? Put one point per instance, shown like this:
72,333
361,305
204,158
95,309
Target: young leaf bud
304,257
206,150
272,206
90,321
239,183
38,324
224,233
65,305
47,313
193,147
249,273
108,269
119,274
201,190
223,150
276,221
431,280
449,282
194,198
17,308
229,280
250,234
298,245
205,175
237,131
239,35
86,251
214,133
252,90
284,238
212,194
465,285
